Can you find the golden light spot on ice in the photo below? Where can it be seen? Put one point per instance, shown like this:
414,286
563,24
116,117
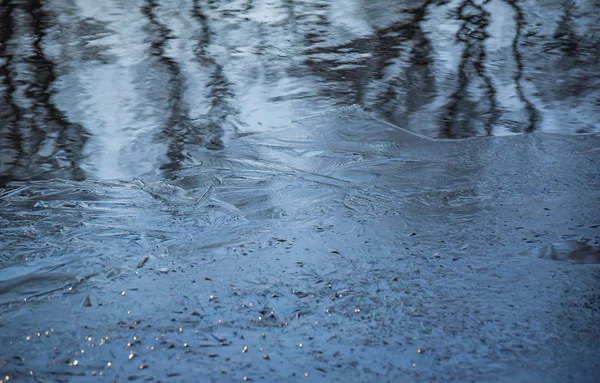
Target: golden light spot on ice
108,364
306,374
180,329
300,345
356,310
75,362
245,378
28,337
123,292
128,312
185,345
245,348
419,351
131,355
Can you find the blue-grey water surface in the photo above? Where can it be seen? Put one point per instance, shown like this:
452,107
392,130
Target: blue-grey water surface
286,190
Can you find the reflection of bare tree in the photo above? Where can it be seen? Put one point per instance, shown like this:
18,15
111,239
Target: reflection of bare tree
48,144
353,66
181,132
406,90
460,115
574,53
389,72
387,62
566,40
220,92
347,79
289,6
10,137
178,129
348,67
420,82
529,107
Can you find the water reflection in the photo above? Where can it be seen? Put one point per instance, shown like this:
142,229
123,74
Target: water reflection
35,133
111,89
465,114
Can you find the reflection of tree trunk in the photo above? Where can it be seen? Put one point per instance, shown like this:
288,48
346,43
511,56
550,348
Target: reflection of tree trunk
71,137
529,107
289,6
180,131
570,52
420,83
417,80
566,38
45,126
10,137
345,85
350,81
175,130
220,93
461,114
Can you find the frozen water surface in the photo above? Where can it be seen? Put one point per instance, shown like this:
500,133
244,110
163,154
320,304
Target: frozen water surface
401,191
341,247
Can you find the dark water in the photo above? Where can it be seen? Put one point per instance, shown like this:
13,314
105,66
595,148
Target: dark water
109,89
283,190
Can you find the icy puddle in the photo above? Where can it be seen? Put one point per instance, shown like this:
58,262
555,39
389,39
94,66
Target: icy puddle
337,249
